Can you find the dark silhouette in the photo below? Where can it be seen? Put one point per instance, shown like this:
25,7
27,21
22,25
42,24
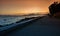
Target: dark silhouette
57,8
54,8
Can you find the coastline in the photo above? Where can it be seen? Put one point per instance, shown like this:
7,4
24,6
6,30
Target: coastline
16,25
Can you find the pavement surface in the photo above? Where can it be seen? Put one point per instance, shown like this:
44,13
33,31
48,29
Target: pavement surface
42,27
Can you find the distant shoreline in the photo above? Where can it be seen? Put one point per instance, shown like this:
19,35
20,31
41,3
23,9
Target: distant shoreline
23,15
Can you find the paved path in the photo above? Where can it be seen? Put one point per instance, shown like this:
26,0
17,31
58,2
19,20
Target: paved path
37,29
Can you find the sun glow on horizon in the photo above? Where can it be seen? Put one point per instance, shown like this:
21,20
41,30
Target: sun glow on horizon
22,7
23,11
31,10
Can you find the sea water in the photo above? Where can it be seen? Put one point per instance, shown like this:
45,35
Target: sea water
4,20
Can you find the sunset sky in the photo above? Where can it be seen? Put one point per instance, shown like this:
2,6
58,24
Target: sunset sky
20,7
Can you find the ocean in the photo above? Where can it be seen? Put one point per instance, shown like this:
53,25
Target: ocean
6,20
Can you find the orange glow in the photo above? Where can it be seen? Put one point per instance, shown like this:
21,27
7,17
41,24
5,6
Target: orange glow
31,10
21,7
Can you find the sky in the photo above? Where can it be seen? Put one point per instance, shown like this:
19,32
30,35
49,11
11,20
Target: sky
21,7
